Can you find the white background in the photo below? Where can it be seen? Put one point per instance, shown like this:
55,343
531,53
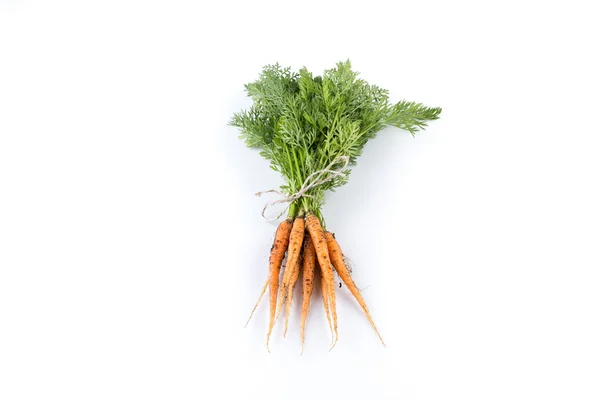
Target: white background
132,246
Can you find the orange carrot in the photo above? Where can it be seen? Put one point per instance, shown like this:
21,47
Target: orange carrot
293,252
292,284
308,281
325,296
337,258
280,244
313,225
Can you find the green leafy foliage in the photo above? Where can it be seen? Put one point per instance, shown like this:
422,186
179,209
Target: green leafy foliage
302,123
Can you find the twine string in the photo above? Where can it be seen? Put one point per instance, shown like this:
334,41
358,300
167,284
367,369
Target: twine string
315,179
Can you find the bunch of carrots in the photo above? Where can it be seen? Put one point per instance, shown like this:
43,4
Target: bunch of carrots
306,125
307,246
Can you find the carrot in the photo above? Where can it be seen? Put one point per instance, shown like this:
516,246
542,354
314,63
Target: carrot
280,244
308,281
293,252
288,307
337,258
324,295
313,225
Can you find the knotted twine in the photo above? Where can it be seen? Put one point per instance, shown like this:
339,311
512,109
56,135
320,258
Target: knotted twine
315,179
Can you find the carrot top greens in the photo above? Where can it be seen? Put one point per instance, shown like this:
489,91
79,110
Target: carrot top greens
302,123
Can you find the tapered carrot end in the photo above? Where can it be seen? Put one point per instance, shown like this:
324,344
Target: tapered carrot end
333,345
269,336
262,293
302,326
335,340
288,310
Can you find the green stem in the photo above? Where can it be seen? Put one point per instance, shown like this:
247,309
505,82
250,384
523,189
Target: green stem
292,211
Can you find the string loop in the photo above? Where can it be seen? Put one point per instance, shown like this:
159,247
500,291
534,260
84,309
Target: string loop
315,179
